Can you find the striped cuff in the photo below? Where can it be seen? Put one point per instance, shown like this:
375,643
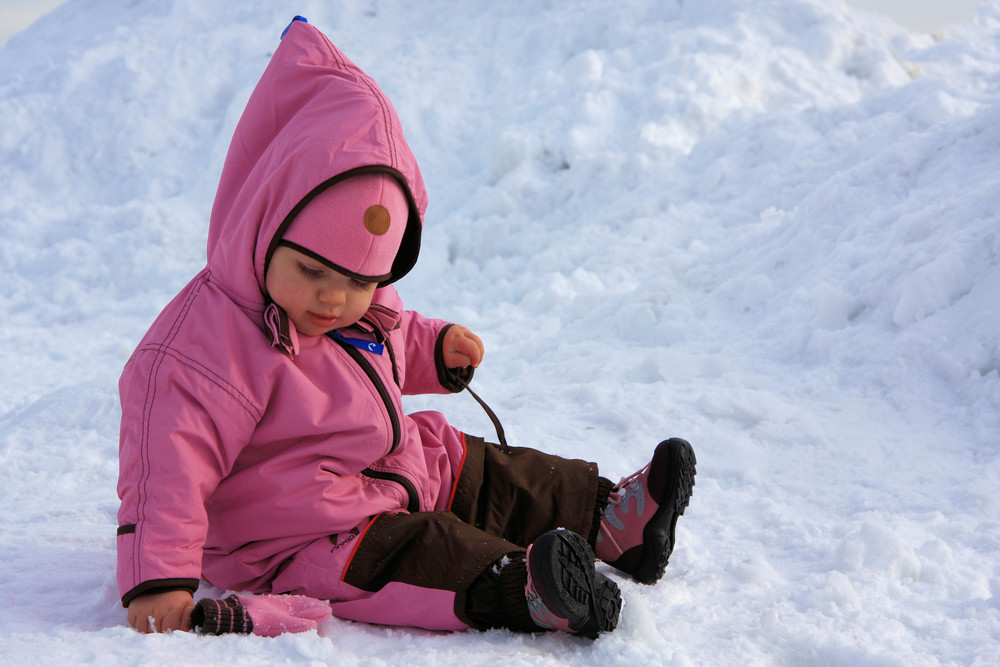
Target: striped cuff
218,617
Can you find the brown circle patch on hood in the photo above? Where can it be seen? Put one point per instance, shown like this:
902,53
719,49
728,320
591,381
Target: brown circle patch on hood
377,219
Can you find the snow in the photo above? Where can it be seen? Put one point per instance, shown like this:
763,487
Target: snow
769,228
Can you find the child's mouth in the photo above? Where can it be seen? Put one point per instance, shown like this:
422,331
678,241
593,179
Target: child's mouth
321,320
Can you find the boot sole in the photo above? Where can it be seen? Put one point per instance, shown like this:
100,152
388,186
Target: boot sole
658,535
570,587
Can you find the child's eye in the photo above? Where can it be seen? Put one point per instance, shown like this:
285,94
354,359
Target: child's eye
363,285
310,272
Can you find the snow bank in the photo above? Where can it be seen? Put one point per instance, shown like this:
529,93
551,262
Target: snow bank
771,230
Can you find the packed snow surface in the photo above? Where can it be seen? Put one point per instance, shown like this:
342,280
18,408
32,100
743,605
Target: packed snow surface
770,228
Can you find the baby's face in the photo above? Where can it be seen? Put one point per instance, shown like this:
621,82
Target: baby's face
316,298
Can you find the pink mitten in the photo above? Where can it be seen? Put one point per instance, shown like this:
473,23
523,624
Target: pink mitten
273,615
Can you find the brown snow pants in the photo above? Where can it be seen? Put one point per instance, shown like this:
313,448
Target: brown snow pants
504,498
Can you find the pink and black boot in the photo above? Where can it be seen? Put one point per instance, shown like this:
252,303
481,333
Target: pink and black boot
636,534
564,591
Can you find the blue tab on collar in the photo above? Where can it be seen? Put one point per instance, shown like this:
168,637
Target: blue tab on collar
360,343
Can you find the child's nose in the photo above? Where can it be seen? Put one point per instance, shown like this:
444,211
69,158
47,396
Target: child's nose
333,295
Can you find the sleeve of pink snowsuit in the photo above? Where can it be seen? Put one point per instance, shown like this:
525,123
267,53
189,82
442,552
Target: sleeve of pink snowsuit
425,369
183,429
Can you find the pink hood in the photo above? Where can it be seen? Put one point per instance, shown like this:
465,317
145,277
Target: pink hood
283,154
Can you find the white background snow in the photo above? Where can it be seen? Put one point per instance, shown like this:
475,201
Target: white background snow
770,228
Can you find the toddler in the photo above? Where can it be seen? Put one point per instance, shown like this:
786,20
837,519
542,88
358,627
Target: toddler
263,443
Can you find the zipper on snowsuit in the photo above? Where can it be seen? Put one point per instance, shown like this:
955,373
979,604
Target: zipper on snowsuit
413,502
376,381
384,339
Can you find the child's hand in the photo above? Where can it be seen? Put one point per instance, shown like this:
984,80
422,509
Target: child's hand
159,612
462,348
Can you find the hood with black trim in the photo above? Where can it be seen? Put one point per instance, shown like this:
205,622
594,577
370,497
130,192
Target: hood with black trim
313,120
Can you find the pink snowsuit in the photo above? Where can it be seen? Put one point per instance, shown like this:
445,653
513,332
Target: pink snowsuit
256,458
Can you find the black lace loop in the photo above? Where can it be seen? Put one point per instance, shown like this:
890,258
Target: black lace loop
492,415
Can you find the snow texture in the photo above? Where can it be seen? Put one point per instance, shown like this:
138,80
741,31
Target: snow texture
770,228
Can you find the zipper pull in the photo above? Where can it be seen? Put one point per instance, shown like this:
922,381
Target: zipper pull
360,343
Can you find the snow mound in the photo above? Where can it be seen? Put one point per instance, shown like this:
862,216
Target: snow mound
770,229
